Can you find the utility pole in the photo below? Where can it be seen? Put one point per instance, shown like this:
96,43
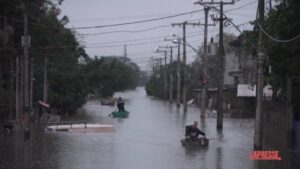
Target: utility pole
258,132
125,51
170,73
17,90
165,76
31,85
184,24
221,72
204,61
178,73
11,96
165,71
26,42
21,98
160,67
45,81
204,76
221,60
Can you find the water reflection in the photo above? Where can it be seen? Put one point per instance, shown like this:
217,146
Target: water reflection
148,139
219,155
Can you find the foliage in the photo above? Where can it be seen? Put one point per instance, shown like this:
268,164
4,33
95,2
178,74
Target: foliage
283,23
109,74
154,87
72,75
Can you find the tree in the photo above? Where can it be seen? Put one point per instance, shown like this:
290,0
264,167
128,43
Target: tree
283,23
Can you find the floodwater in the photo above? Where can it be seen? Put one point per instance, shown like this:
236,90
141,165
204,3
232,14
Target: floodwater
148,139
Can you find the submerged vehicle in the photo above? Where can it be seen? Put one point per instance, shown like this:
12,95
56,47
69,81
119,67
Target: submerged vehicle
119,114
199,142
108,101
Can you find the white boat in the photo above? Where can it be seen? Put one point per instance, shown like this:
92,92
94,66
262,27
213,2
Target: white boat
83,127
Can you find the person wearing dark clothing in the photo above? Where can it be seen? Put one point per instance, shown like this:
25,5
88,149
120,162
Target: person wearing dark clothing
120,104
192,131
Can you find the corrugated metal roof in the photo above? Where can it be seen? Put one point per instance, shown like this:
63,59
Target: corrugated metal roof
246,90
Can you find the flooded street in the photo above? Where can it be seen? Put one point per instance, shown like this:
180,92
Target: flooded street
148,139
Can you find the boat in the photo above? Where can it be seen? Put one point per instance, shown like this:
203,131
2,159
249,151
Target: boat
199,142
120,114
79,127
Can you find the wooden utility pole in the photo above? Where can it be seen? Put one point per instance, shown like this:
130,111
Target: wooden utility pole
221,72
184,86
26,41
204,58
221,60
17,90
258,132
165,76
160,67
11,95
31,85
170,73
204,61
21,98
164,71
45,81
178,73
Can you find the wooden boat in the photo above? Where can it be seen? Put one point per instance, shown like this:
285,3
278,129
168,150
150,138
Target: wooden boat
120,114
199,142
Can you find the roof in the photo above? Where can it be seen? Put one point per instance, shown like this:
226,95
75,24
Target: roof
246,90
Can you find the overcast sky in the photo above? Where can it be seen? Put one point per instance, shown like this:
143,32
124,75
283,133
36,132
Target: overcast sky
141,45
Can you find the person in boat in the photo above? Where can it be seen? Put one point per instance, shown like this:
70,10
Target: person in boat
192,131
120,104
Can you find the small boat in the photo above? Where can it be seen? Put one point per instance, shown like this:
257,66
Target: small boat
199,142
120,114
80,127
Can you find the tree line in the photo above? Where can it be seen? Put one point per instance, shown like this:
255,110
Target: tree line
71,73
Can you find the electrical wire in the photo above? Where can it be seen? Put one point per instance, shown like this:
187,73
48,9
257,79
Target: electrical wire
248,4
275,39
135,22
126,31
161,26
191,35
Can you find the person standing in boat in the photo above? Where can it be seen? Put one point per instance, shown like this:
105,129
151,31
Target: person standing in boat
192,131
120,104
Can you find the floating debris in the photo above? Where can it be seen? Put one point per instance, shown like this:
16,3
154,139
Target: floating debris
84,127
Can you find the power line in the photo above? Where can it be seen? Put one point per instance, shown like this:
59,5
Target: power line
120,24
126,31
130,44
191,35
142,39
248,4
275,39
135,22
161,26
122,17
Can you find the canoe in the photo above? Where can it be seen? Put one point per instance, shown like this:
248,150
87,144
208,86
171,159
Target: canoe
200,142
120,114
